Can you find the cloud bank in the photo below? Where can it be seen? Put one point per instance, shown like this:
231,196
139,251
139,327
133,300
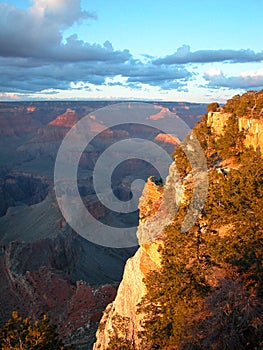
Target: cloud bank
246,80
34,56
183,55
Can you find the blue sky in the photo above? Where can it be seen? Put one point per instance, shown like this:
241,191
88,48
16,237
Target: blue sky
198,51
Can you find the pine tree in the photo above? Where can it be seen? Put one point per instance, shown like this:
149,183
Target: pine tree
19,333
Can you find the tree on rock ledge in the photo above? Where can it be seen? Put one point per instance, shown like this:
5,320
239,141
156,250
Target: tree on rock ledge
212,107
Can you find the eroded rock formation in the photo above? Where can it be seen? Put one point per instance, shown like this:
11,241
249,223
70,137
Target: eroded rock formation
155,205
252,128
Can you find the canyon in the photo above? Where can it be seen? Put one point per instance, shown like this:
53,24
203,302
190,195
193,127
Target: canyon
45,267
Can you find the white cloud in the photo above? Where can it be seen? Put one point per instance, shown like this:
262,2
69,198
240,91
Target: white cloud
252,74
213,72
245,80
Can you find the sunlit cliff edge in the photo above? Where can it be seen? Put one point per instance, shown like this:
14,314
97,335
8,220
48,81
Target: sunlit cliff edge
121,317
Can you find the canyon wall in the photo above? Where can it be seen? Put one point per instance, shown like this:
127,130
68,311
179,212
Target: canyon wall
155,205
252,128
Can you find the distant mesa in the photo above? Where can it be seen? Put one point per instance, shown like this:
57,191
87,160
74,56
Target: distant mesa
167,138
164,112
67,120
30,109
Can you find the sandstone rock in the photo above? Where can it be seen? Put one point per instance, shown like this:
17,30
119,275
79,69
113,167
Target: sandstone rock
252,128
217,121
155,205
151,198
68,119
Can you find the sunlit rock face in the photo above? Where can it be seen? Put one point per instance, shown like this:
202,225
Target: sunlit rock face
151,198
156,202
252,128
166,138
68,119
217,121
154,205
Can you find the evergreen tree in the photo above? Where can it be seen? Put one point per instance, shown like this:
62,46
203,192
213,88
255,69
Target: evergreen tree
212,107
19,333
231,143
249,105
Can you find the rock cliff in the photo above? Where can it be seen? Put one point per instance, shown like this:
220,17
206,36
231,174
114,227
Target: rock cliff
156,203
252,128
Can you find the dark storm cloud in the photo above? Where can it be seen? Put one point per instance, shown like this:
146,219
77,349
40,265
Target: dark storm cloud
183,55
252,80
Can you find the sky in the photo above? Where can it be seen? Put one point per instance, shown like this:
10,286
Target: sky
195,51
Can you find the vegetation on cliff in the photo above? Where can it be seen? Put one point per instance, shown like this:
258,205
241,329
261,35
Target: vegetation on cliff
248,105
19,333
208,294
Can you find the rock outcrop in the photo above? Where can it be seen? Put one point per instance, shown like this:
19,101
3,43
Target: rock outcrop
217,121
252,128
151,199
67,120
166,138
155,205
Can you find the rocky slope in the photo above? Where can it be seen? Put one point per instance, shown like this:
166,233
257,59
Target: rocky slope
74,307
47,268
18,188
55,276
